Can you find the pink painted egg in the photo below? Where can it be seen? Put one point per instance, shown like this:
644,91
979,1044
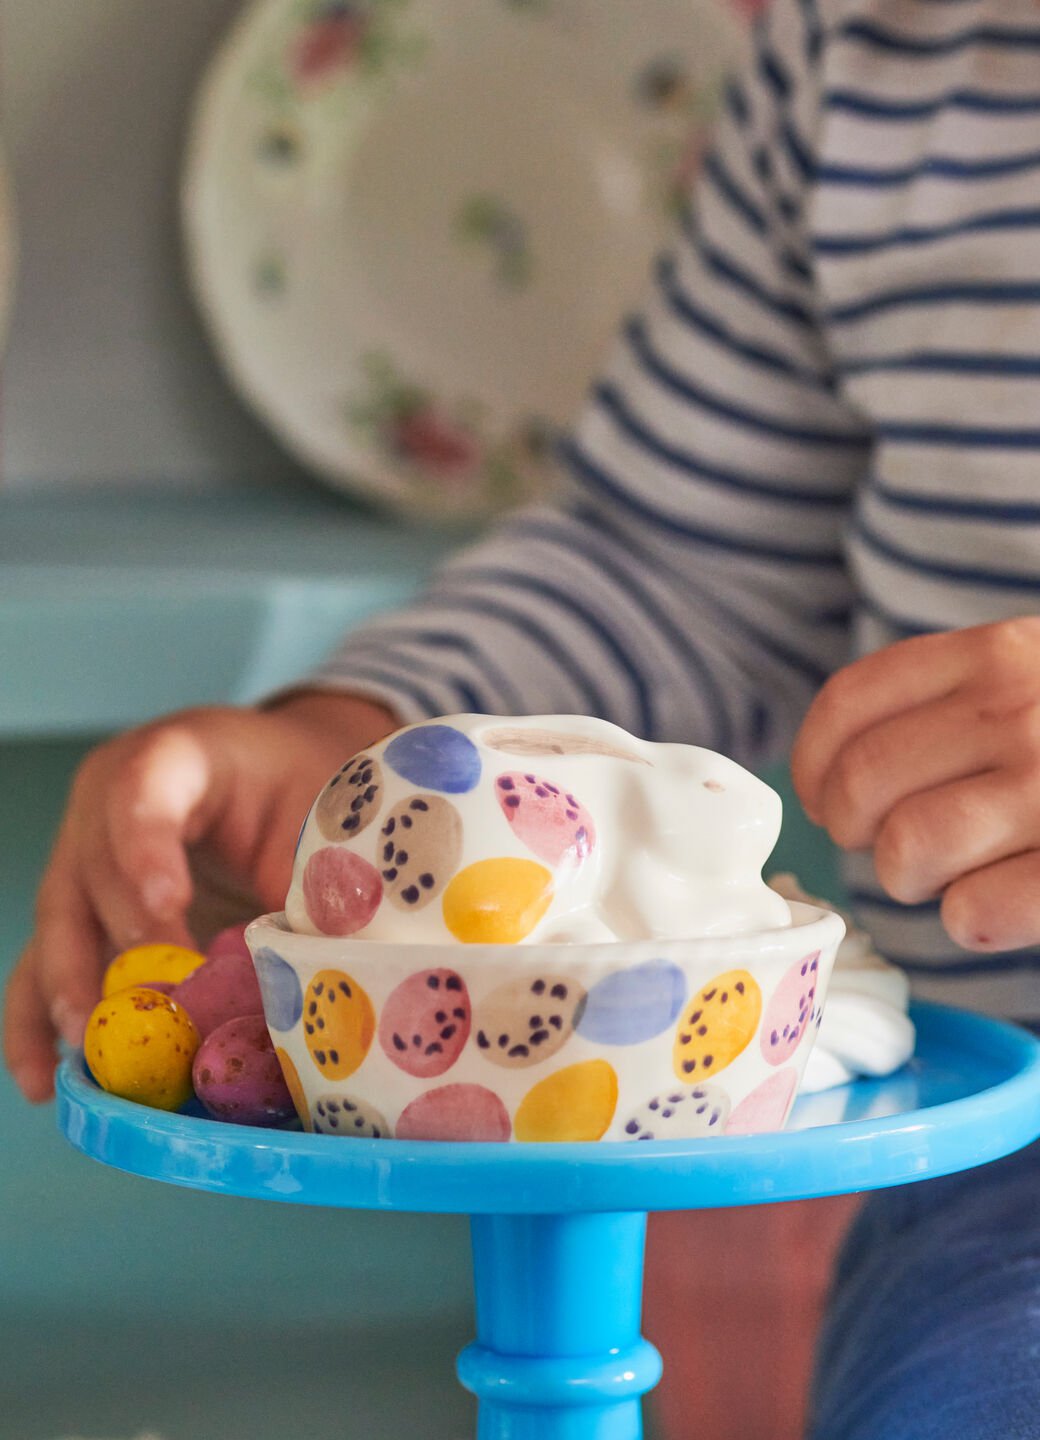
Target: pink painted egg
425,1022
790,1010
766,1107
550,821
341,890
455,1112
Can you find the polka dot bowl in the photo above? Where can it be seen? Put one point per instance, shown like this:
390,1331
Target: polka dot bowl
650,1039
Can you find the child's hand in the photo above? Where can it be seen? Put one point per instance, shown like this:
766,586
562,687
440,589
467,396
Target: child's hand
929,751
231,785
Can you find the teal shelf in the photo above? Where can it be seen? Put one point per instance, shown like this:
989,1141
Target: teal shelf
120,603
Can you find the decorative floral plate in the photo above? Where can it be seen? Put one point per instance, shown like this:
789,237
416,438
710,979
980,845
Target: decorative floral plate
412,225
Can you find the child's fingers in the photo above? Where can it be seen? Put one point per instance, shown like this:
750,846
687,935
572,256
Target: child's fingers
922,748
28,1036
68,951
996,907
930,840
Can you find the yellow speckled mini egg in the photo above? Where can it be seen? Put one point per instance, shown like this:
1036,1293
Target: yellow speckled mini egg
339,1023
576,1103
145,963
497,902
717,1024
140,1044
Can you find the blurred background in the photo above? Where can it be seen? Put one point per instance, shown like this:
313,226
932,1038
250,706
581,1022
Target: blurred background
159,548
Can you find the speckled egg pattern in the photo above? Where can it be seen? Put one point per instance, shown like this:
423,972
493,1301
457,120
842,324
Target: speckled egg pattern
634,1005
280,988
420,844
550,821
435,757
348,1117
575,1103
766,1107
685,1113
497,902
338,1022
351,799
790,1011
341,890
455,1112
524,1022
425,1023
720,1021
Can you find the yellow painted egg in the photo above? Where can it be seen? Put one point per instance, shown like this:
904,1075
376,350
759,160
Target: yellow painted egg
339,1023
717,1024
292,1079
576,1103
146,963
497,902
140,1045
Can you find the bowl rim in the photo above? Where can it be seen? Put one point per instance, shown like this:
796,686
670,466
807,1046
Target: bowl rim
817,926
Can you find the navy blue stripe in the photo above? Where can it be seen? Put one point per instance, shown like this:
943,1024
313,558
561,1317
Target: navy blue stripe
690,313
879,38
774,73
1006,964
594,478
724,269
545,529
802,157
564,600
377,641
945,167
897,624
736,102
960,437
840,245
485,607
365,670
613,401
943,362
983,292
982,102
728,189
445,640
654,365
961,574
1008,512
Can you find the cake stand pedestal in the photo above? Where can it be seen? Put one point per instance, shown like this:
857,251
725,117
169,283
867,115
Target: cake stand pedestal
558,1230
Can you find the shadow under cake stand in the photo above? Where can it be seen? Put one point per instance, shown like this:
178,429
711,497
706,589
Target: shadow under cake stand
558,1230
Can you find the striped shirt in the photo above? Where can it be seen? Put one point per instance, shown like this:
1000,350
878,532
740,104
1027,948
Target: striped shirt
819,435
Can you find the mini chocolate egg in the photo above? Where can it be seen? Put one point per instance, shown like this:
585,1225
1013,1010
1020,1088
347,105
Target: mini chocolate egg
454,1112
237,1075
767,1107
230,940
684,1113
351,799
348,1117
633,1005
525,1021
339,1023
224,988
720,1021
139,1044
420,844
790,1010
144,963
497,902
425,1022
545,818
575,1103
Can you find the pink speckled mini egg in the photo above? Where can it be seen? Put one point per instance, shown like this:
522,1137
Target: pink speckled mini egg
550,821
425,1022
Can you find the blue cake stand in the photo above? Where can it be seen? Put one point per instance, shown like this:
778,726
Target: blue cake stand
558,1230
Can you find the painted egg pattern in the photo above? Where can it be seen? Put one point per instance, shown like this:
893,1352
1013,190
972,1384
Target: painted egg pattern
455,1112
526,1021
509,741
766,1107
685,1113
420,844
425,1023
635,1004
719,1023
280,988
435,757
497,902
341,890
338,1022
292,1080
351,799
549,821
575,1103
351,1118
790,1011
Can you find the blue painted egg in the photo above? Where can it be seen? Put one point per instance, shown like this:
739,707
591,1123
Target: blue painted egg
280,988
436,757
634,1005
